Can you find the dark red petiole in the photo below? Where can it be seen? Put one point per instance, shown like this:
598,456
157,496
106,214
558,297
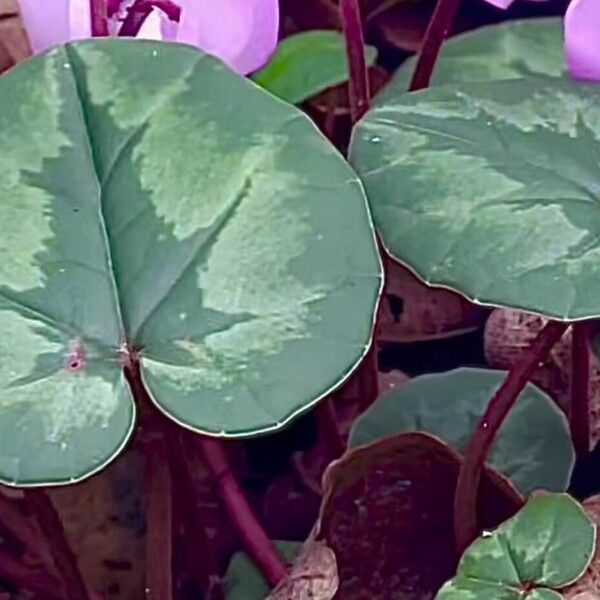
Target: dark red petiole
467,488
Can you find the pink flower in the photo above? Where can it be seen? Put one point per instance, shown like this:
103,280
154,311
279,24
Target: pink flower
582,39
242,33
504,4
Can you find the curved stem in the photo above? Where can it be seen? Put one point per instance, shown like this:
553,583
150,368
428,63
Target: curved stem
579,413
465,503
99,13
358,86
329,428
16,524
64,559
113,7
260,548
437,30
22,577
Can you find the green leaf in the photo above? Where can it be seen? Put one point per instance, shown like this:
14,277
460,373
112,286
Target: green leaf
308,63
491,189
547,545
533,448
243,581
154,203
517,48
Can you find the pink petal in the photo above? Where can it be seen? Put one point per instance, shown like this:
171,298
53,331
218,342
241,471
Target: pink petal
152,27
80,20
582,39
159,27
52,22
504,4
242,33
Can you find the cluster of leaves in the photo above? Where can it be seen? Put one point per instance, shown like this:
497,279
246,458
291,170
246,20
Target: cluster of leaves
165,211
485,184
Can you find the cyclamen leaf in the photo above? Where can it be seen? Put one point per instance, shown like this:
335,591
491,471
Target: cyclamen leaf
491,189
533,448
153,203
308,63
547,545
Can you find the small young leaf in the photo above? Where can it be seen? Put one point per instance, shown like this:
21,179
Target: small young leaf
308,63
534,447
547,545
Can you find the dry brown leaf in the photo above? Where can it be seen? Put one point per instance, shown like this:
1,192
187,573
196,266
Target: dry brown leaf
387,514
588,587
411,311
313,575
509,332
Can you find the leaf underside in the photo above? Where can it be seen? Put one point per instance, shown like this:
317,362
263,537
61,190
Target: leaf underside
150,199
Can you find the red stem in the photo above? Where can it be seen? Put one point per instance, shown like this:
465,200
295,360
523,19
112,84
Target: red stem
199,548
358,86
25,578
99,13
255,540
159,519
579,414
369,380
14,522
465,502
329,429
260,548
140,10
437,30
64,559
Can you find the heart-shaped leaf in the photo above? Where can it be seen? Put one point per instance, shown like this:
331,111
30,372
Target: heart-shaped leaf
516,48
387,515
547,545
491,189
533,448
157,206
308,63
